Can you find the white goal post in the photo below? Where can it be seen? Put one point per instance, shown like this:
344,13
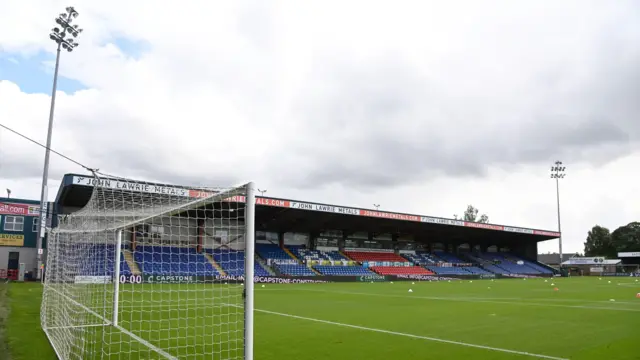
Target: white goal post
151,271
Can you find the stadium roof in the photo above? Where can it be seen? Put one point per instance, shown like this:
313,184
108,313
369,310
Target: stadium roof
275,214
554,259
591,261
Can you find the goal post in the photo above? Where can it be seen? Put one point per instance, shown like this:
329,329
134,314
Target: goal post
151,271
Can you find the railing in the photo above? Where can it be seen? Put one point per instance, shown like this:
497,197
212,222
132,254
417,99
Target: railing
11,274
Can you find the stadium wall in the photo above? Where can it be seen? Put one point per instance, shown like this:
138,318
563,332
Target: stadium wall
28,256
18,233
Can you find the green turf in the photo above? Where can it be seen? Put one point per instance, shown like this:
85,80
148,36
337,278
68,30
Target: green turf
577,322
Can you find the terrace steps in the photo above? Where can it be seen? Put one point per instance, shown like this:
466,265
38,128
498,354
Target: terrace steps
133,265
290,254
264,265
215,265
345,255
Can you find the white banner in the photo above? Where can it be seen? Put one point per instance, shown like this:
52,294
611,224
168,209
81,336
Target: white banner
327,248
80,279
629,254
596,269
324,208
131,186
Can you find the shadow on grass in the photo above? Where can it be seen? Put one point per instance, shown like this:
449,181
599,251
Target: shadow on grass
23,338
4,315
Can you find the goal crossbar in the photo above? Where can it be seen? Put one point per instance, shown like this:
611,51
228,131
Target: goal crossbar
170,211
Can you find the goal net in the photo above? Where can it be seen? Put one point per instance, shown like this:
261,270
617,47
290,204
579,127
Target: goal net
150,271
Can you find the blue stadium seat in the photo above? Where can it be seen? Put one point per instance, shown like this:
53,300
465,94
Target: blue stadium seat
303,253
342,270
270,251
449,270
168,260
295,270
232,262
102,261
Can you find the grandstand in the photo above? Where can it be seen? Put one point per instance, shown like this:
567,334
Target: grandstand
301,239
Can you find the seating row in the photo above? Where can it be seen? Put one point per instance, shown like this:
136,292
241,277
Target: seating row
157,260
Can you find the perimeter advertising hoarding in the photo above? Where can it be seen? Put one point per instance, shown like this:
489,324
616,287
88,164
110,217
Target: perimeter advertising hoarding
620,274
182,279
11,240
629,254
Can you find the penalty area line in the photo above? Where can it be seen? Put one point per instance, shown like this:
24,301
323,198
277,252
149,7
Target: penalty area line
427,338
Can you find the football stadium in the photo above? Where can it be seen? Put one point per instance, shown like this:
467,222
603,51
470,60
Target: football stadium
139,270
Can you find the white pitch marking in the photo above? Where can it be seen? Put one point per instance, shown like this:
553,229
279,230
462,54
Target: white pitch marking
473,298
123,330
451,342
478,301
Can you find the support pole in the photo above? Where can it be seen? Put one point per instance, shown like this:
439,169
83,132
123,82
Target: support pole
45,169
249,221
559,228
116,278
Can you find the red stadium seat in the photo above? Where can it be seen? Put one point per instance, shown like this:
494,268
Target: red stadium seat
361,256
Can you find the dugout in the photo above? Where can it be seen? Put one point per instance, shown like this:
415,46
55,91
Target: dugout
321,225
630,263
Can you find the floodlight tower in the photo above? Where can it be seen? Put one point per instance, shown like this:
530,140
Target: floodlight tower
557,173
64,35
262,192
377,206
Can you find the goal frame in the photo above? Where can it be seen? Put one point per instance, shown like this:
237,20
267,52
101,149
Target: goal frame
248,291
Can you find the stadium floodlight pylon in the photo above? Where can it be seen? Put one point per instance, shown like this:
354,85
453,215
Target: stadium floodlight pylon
148,271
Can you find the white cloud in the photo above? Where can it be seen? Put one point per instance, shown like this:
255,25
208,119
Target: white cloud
421,106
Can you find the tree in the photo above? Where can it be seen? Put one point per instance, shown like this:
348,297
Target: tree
471,215
626,238
599,242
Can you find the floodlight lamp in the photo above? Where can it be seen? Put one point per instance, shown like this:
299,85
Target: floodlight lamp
59,22
53,37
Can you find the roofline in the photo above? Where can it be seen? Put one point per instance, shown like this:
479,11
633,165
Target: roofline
270,201
18,200
407,214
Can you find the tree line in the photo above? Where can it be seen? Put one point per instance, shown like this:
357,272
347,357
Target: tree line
602,242
471,214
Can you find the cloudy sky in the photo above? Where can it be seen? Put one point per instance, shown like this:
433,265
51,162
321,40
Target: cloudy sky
420,106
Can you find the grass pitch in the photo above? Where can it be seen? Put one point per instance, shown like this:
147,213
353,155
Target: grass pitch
483,319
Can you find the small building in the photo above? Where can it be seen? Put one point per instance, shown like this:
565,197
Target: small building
597,266
554,258
18,235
